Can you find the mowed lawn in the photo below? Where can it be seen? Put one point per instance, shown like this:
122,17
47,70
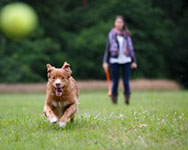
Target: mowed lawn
154,120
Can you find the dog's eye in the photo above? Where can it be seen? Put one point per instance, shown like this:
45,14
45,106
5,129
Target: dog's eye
53,78
62,78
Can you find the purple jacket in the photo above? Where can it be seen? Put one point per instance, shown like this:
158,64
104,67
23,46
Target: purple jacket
112,46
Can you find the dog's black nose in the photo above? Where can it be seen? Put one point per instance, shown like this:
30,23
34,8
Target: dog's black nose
57,84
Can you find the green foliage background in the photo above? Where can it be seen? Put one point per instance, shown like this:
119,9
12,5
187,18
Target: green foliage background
73,32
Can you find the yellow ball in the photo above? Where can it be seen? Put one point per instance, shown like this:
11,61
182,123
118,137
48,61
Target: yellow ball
17,20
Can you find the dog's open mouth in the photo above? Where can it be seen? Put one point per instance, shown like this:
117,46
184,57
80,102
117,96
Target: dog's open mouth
59,90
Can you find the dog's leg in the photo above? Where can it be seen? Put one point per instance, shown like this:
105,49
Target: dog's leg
72,118
50,114
68,113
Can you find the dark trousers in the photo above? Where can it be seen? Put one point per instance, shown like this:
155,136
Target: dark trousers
115,75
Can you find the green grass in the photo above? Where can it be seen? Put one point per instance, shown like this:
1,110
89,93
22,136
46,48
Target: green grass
154,120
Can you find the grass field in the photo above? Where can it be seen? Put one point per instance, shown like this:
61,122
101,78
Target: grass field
154,120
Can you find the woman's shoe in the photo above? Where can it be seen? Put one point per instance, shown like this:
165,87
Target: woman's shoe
127,98
114,99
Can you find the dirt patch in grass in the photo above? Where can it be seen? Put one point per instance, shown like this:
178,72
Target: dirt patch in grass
93,85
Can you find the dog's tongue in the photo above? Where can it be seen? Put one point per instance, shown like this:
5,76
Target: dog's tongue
59,91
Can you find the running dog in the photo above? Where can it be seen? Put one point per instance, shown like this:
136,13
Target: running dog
61,95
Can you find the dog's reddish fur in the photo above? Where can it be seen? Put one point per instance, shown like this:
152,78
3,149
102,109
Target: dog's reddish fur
61,95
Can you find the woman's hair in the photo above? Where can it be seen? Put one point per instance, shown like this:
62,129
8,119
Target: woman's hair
124,27
122,18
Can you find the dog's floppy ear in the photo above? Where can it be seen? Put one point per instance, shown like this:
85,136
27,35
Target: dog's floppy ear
66,67
49,69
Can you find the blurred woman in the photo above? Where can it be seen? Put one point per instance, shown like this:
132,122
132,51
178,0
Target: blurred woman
119,54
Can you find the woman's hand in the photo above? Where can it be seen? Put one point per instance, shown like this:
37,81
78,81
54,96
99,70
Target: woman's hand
105,66
133,65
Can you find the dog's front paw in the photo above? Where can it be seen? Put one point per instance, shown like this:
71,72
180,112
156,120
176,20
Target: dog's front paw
53,120
62,124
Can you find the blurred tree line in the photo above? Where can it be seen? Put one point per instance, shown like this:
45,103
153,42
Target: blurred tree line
76,31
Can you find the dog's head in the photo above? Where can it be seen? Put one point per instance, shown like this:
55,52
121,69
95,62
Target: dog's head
59,77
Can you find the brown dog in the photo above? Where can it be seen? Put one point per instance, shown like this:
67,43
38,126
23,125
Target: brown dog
61,95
